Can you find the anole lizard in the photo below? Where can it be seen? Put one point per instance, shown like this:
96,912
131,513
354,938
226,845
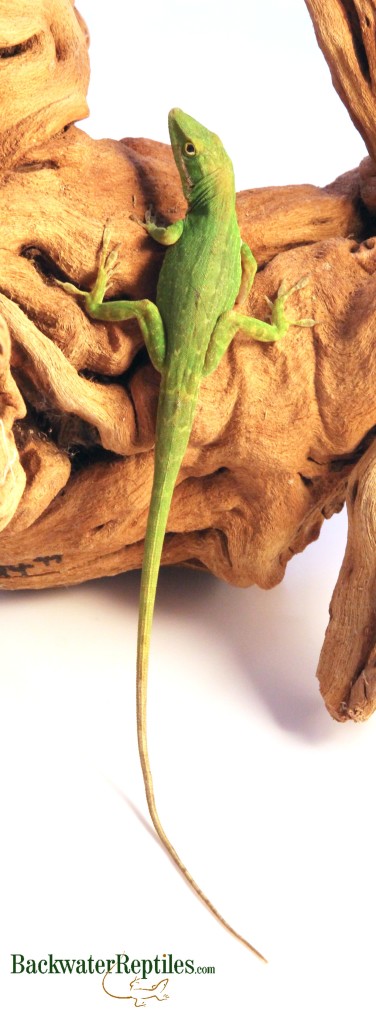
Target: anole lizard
206,273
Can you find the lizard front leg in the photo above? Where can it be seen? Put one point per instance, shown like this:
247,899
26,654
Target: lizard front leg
165,235
232,321
143,310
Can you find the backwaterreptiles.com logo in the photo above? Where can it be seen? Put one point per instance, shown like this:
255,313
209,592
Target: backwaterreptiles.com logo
140,988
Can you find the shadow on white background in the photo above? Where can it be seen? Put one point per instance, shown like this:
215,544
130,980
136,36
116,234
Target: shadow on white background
267,799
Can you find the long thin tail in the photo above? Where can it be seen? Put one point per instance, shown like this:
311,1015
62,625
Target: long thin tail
155,532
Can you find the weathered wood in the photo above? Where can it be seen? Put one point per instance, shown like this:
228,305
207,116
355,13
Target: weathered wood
348,681
346,32
279,429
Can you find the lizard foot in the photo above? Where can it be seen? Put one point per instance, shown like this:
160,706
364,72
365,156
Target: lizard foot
108,261
107,265
277,308
149,221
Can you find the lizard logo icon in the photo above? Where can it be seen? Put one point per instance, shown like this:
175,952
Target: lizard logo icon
139,991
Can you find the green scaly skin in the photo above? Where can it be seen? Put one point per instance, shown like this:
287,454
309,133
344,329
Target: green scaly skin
205,270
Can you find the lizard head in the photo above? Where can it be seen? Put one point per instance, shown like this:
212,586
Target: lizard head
205,168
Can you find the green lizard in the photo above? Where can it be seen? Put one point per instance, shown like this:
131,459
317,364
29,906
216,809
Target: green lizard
206,270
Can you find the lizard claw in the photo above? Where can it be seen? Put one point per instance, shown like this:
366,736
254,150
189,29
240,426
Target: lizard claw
109,256
284,292
68,287
304,323
149,218
106,238
111,260
279,316
137,220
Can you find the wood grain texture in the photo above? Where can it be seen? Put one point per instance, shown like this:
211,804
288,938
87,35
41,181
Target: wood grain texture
345,31
280,430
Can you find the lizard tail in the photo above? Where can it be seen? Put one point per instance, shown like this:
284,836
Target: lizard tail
163,486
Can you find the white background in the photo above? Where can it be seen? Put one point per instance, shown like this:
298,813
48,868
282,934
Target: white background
269,801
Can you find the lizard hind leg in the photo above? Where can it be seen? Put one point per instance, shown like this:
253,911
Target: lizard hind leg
258,330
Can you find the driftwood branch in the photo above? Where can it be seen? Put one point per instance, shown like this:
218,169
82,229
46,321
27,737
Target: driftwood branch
349,680
282,433
346,32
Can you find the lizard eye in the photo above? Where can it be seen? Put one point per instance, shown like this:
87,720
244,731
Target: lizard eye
190,149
